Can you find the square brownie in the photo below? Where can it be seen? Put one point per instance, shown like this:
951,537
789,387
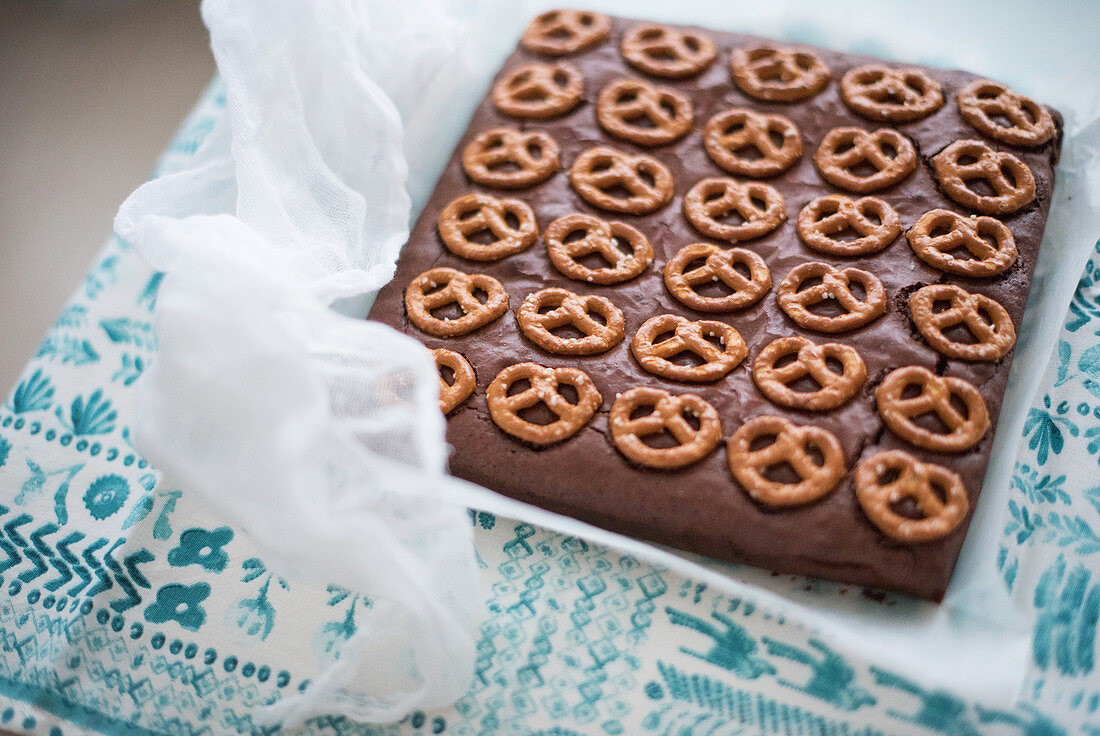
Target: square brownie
773,291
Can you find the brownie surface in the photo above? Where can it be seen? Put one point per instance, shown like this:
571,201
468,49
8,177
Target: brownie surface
701,508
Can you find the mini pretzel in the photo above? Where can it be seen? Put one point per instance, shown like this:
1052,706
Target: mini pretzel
843,149
983,102
561,32
441,287
691,337
917,481
1008,176
667,52
507,158
600,237
568,309
600,170
778,74
539,91
835,388
720,265
739,129
890,95
505,410
796,301
987,321
624,103
667,415
461,386
875,222
971,233
935,397
760,206
473,214
749,467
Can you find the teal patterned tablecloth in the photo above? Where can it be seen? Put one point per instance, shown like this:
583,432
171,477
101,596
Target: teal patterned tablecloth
131,609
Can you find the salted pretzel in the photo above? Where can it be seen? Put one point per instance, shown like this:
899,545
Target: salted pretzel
688,336
939,234
668,415
759,206
599,171
935,394
890,153
598,236
982,103
539,91
562,32
875,222
506,158
462,382
811,359
987,321
504,409
473,214
730,133
965,161
441,287
546,310
664,51
778,74
797,301
890,95
792,446
938,493
625,103
719,265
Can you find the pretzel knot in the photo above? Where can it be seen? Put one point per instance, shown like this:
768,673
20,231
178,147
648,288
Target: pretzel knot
778,74
624,104
670,414
794,446
875,222
597,236
987,321
811,360
441,287
894,95
983,103
688,337
473,214
940,234
759,206
507,158
462,381
965,161
798,302
561,32
887,151
599,171
917,484
667,52
935,395
719,266
547,310
505,410
539,91
730,134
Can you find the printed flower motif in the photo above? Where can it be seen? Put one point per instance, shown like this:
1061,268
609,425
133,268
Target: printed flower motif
94,416
33,394
179,603
201,547
256,616
106,495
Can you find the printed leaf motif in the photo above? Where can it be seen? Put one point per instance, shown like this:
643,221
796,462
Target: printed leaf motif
1045,435
1092,434
5,449
34,393
92,417
67,350
1090,361
1092,495
130,332
148,296
1047,489
131,369
141,509
1063,362
253,568
74,316
103,275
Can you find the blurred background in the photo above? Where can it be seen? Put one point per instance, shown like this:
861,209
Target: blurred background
90,94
